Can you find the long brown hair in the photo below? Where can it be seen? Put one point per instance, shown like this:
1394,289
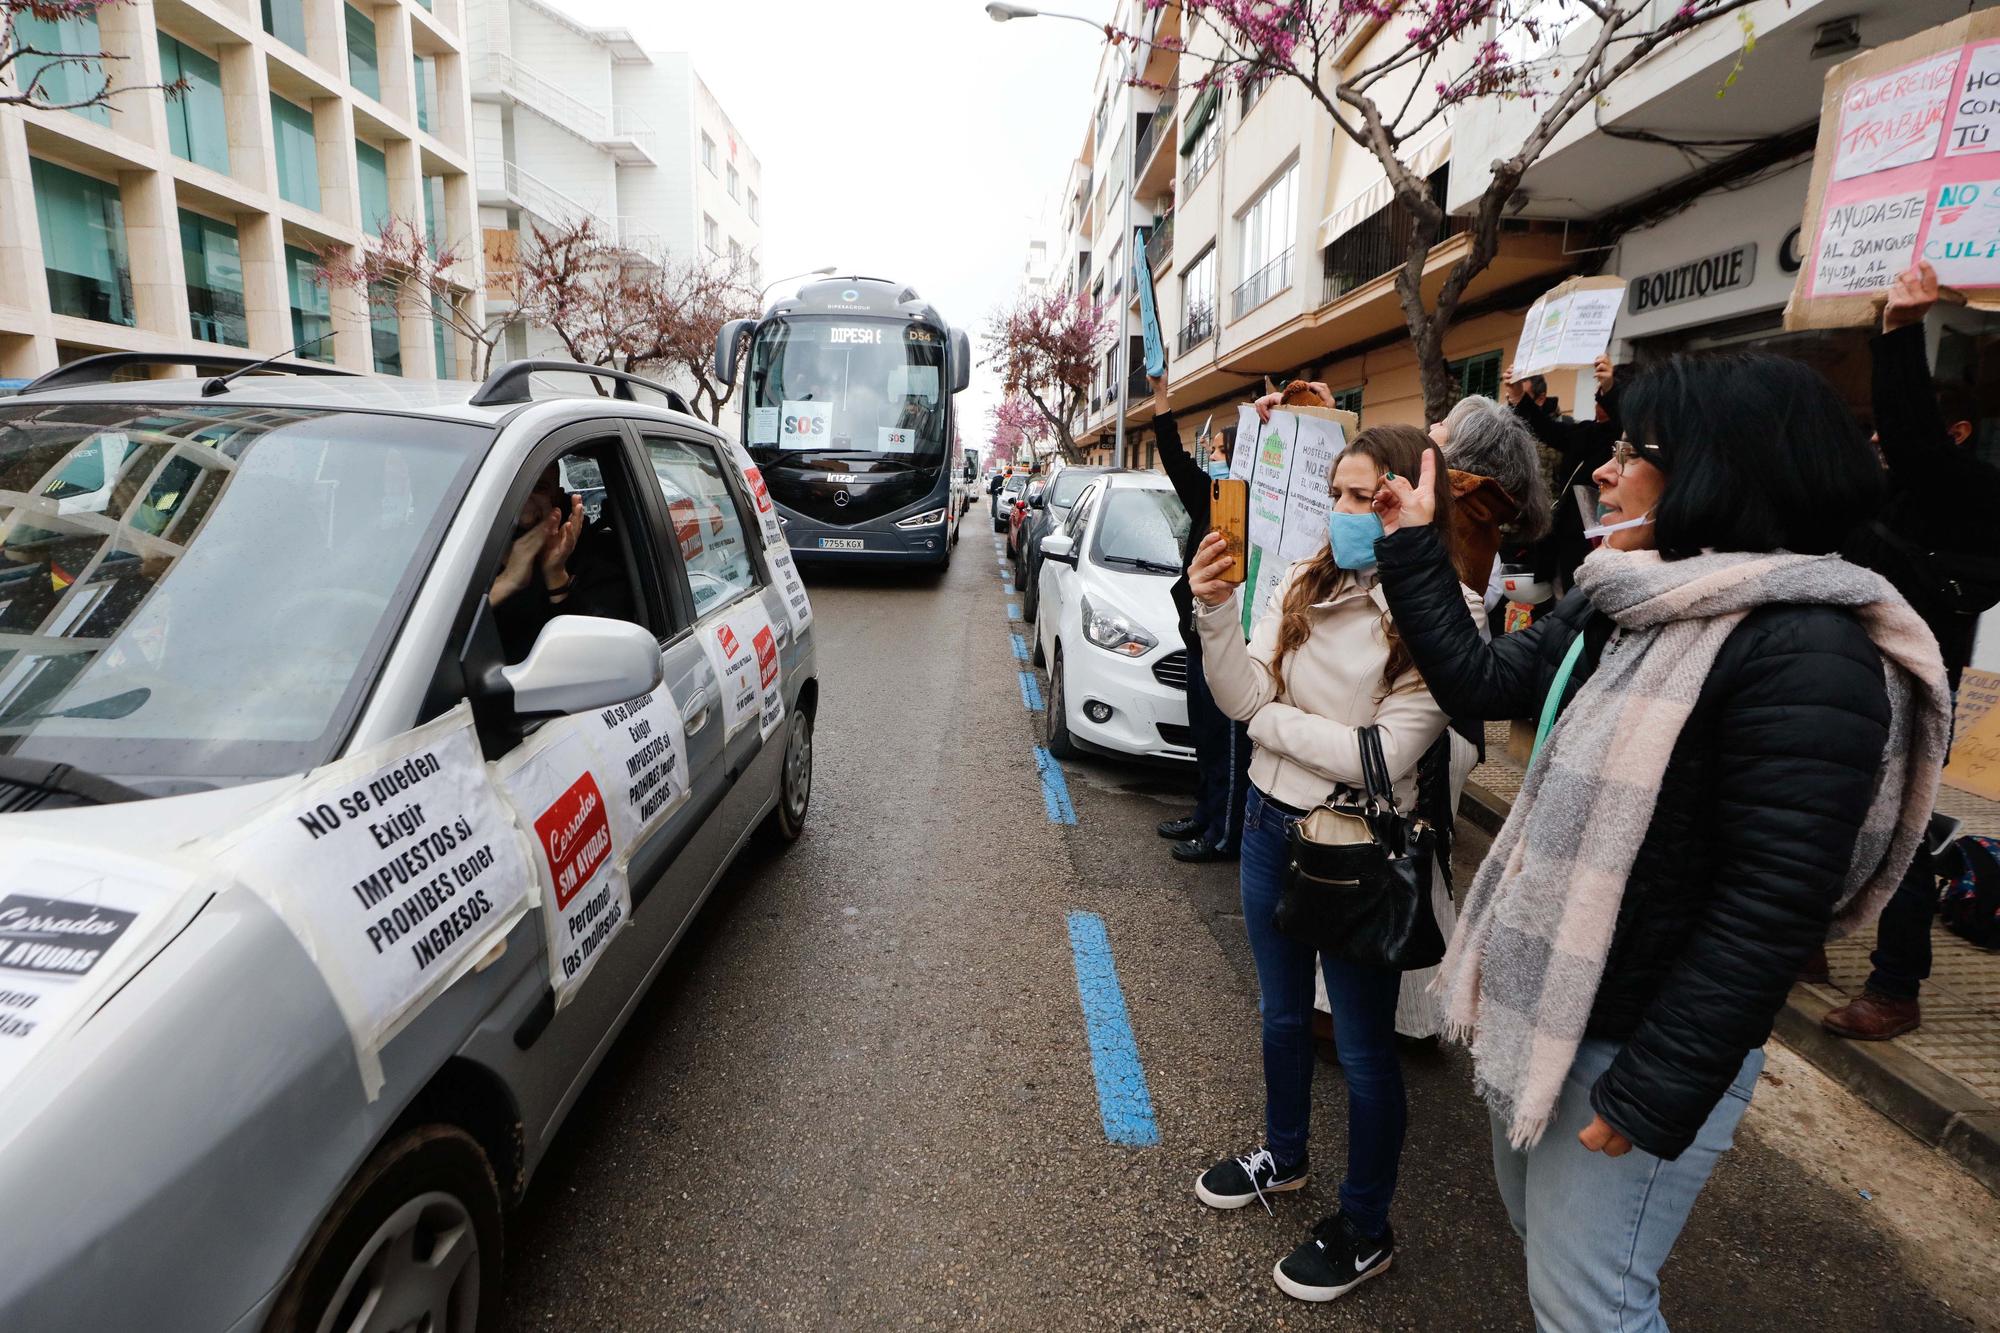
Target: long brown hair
1397,449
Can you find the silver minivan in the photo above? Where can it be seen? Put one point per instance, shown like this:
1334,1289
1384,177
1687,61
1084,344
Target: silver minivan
211,591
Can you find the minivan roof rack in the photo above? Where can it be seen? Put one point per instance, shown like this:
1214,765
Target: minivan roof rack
100,368
511,383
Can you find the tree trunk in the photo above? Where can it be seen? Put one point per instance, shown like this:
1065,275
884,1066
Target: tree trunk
1427,340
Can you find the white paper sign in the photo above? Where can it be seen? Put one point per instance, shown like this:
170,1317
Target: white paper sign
1308,497
1896,119
767,513
1567,328
753,626
805,425
896,440
75,922
641,753
1975,120
397,869
1864,244
798,606
1292,458
1964,240
582,861
763,425
735,664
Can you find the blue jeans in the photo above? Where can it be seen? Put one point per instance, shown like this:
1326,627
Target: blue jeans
1598,1228
1364,1027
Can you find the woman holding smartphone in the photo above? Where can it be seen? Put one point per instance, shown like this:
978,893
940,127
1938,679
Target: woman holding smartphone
1323,660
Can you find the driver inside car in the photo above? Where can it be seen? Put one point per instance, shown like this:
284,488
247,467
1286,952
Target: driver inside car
558,564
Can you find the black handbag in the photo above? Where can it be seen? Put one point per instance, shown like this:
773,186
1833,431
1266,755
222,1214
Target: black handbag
1357,875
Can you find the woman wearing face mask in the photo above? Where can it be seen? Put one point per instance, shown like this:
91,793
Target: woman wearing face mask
1740,744
1323,660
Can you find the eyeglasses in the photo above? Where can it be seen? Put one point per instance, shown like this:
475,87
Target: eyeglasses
1624,451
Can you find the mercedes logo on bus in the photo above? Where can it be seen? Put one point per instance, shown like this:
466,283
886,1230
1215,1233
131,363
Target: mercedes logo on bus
840,499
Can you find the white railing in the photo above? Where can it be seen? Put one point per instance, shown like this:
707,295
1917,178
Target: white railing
639,234
565,109
627,124
542,199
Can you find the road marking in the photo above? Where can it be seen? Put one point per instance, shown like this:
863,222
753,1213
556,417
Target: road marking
1123,1102
1020,648
1013,610
1031,692
1055,789
1006,587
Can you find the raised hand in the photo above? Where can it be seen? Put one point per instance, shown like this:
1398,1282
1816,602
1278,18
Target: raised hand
1511,389
1600,370
1211,561
560,543
1401,505
1911,297
520,564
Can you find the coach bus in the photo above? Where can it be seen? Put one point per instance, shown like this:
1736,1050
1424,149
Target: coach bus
847,410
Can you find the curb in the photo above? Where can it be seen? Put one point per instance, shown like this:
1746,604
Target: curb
1927,1102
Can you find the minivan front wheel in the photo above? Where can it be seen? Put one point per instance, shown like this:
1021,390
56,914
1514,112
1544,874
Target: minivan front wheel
413,1241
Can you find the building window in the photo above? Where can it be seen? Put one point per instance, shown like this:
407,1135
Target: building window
1251,91
434,212
735,254
1477,376
708,152
372,174
1265,253
214,268
312,309
424,70
385,329
735,182
1349,400
298,153
82,223
1198,300
711,235
441,343
286,21
753,206
362,71
61,80
195,128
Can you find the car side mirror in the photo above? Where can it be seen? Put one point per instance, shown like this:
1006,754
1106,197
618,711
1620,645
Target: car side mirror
961,360
1060,547
1039,502
583,662
728,349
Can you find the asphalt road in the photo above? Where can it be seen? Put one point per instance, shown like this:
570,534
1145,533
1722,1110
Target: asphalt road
861,1095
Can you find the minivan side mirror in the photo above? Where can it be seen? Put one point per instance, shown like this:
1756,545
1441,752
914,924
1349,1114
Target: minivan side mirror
961,360
583,662
728,350
1060,547
1038,502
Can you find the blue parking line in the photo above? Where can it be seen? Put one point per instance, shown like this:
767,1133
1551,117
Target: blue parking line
1123,1102
1031,692
1013,610
1020,648
1055,789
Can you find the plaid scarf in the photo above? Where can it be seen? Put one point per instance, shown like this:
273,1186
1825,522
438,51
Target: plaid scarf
1524,965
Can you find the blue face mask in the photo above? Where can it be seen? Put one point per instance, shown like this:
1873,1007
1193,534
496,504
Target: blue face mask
1219,471
1353,537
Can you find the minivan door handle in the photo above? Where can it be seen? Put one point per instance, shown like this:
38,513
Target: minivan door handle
698,711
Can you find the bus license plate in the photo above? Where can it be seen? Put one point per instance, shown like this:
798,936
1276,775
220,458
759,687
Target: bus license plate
840,544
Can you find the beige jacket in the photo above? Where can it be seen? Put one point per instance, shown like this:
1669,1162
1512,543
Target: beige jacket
1305,734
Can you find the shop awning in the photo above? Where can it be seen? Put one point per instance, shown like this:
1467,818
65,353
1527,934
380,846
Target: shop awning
1426,158
1198,115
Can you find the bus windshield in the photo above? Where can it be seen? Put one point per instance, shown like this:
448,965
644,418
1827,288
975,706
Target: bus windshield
848,386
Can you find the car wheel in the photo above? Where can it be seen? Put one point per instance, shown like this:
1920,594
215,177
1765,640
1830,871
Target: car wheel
1060,744
414,1239
1036,656
784,825
1031,597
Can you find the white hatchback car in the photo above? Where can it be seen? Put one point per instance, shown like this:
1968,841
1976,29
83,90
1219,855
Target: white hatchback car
1107,631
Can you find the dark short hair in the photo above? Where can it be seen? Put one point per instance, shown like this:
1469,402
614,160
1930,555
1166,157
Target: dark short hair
1957,403
1760,454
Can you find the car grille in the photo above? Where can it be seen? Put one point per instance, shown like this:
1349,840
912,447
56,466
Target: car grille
1176,735
1171,670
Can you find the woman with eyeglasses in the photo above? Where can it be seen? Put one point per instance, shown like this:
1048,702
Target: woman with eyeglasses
1739,743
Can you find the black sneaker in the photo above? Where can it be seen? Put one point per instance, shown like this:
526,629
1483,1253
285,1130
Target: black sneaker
1178,829
1238,1180
1335,1261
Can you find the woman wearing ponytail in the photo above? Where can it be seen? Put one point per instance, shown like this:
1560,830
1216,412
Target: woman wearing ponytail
1741,736
1323,660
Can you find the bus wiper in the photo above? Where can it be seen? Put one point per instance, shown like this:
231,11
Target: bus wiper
1140,562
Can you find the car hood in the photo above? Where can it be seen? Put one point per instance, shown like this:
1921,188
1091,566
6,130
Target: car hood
1146,596
156,824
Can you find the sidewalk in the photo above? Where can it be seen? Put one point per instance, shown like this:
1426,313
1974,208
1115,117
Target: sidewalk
1941,1082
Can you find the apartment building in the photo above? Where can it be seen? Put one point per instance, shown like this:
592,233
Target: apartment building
192,224
573,120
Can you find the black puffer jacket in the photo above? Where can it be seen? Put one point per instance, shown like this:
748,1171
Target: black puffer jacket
1750,833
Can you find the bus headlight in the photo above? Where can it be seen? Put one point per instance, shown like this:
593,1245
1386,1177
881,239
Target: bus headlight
1115,632
928,519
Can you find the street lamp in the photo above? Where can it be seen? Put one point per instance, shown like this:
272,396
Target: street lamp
999,11
825,272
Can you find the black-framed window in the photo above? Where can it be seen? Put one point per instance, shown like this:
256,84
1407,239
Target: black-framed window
1478,374
716,535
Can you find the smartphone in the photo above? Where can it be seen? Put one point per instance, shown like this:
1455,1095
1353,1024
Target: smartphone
1229,514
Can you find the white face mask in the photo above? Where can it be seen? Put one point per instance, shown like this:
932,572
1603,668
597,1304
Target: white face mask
1597,530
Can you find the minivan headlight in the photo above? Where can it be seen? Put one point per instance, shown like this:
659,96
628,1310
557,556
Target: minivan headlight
1114,631
929,518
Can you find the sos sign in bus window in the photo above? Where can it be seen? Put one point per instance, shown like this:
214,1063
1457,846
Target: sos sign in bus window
849,385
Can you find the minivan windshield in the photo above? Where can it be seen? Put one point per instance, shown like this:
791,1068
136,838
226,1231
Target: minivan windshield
1142,530
201,594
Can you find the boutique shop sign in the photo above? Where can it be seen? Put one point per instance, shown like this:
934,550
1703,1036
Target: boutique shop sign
1710,275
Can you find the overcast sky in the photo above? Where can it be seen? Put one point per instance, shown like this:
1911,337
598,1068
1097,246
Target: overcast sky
909,139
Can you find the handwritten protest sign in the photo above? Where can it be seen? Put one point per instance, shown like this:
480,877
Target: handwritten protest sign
1907,167
1288,462
1570,326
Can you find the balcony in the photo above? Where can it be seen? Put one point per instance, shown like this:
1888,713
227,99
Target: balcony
531,194
1261,286
1379,243
1137,387
1160,241
627,137
1197,163
1200,327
